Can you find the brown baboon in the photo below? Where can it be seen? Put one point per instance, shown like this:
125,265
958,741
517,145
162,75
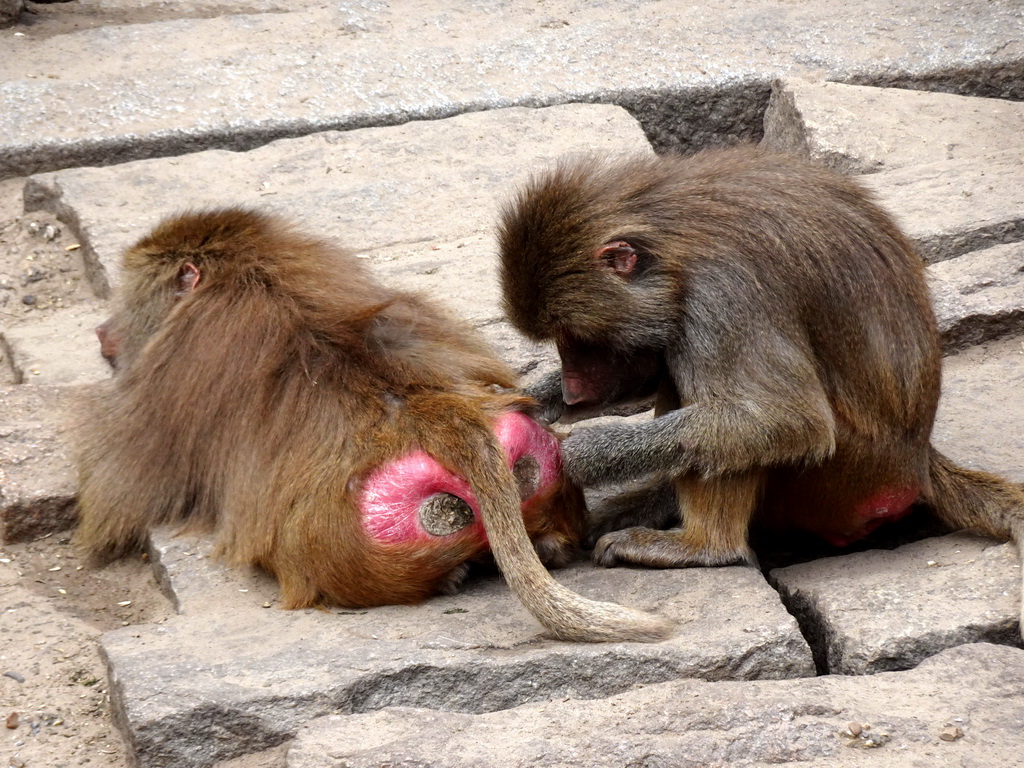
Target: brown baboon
346,437
782,323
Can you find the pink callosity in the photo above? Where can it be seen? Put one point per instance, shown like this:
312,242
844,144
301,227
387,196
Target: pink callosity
888,504
392,494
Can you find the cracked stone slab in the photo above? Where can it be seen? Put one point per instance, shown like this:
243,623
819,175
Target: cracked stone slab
973,695
60,349
979,296
37,479
229,676
695,74
858,129
885,610
412,184
952,207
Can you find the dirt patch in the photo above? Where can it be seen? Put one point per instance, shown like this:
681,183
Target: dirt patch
54,682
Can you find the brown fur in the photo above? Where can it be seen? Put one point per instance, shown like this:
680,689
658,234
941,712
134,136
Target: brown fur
784,323
256,404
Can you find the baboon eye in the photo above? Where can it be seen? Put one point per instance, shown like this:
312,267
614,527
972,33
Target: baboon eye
444,514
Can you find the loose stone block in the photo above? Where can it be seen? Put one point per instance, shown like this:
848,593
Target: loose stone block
880,610
37,480
858,129
979,296
980,423
414,184
973,696
956,206
60,349
229,676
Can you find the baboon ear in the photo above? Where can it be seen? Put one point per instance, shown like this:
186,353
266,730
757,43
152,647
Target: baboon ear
188,279
619,255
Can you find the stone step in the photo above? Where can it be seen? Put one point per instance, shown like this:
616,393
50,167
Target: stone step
418,183
953,207
880,611
963,707
61,348
979,296
980,423
37,480
856,129
692,74
229,676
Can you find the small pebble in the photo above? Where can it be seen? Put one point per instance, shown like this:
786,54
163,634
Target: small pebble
950,733
35,275
12,720
14,676
854,729
28,300
17,763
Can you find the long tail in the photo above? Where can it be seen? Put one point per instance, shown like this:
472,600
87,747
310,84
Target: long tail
564,613
966,499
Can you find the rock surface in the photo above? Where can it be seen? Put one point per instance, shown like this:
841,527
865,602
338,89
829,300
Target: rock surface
694,74
979,296
37,480
201,687
856,129
964,707
880,611
60,349
952,207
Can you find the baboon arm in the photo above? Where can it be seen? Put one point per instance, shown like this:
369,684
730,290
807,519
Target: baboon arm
705,438
547,391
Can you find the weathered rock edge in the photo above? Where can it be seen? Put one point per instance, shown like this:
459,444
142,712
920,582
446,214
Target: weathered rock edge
310,86
972,695
231,675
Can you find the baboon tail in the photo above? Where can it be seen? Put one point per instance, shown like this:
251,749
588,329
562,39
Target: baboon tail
564,613
966,499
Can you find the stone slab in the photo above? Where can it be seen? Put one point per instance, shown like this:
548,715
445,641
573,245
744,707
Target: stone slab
975,691
37,479
228,676
60,349
414,184
858,129
980,423
979,296
880,610
461,275
952,207
693,74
